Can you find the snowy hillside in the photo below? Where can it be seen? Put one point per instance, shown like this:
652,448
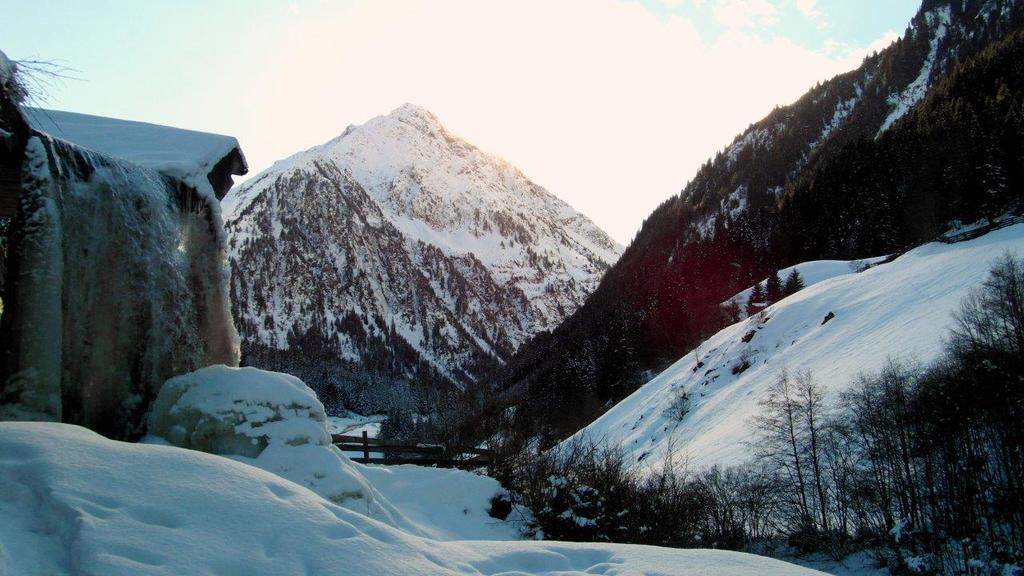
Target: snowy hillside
406,250
898,309
813,180
810,273
74,502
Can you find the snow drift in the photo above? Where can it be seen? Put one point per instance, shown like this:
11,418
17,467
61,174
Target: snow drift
269,420
74,502
839,327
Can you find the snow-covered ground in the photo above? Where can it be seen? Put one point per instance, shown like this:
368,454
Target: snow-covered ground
73,502
457,507
899,309
446,504
811,272
355,424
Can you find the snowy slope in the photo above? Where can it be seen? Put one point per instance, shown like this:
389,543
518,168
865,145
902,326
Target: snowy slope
811,273
938,22
433,254
76,503
899,309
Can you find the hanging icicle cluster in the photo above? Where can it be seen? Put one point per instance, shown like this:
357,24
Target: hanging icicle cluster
116,281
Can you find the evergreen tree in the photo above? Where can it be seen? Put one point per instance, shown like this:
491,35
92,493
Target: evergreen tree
794,283
993,183
774,291
755,301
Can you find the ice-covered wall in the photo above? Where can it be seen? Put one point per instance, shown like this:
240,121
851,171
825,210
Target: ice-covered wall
120,284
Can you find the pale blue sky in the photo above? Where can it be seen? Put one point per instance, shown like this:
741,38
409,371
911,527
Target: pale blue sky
609,104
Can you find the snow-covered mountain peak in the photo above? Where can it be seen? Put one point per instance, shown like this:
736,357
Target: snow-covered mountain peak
415,115
452,252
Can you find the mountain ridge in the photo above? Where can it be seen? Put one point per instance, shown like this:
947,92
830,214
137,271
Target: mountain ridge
444,260
817,179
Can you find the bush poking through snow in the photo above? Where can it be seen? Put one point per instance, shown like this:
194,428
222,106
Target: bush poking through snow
680,406
585,492
501,506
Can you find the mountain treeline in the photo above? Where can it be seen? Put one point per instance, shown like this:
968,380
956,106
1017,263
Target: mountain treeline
777,197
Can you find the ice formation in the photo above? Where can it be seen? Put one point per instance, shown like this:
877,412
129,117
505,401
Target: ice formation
117,281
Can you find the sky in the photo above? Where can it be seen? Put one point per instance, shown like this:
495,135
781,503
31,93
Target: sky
611,105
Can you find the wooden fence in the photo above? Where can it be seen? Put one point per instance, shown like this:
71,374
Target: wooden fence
377,451
981,230
961,237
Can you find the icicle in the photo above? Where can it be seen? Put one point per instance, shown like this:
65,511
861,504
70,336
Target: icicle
123,285
37,316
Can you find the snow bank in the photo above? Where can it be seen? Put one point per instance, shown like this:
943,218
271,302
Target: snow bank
447,504
74,502
269,420
902,309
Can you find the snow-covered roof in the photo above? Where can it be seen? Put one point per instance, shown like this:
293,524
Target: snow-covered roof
175,152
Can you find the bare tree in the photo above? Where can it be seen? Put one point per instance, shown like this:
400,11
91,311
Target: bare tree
779,441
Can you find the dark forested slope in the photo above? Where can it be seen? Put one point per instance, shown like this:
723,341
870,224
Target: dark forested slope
875,160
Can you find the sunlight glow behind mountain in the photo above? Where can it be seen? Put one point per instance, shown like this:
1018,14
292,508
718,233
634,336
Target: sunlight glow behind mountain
597,100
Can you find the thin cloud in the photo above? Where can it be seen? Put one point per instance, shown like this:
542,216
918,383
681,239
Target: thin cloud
745,13
809,8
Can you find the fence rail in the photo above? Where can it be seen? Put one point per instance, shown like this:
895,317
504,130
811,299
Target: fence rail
378,451
981,230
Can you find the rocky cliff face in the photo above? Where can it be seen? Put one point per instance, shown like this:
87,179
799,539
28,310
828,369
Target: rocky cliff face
398,258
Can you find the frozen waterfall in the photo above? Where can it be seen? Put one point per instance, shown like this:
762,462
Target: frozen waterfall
117,281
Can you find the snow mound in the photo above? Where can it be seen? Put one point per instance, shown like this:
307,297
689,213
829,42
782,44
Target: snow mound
238,411
837,328
269,420
74,502
457,506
